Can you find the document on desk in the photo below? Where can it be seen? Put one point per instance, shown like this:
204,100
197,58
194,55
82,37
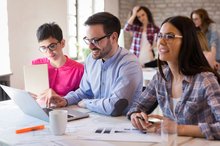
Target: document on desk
36,78
125,132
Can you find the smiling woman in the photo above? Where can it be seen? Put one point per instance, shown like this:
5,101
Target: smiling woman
4,51
186,88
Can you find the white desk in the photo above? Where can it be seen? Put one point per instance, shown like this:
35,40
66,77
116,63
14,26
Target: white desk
75,129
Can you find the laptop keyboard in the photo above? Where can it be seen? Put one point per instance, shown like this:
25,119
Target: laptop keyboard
47,110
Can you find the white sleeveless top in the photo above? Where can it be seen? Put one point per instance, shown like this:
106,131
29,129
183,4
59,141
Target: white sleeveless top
146,54
174,102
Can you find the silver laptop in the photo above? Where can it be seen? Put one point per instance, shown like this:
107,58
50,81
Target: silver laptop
30,107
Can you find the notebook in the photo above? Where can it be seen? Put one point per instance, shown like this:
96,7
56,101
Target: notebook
36,78
30,107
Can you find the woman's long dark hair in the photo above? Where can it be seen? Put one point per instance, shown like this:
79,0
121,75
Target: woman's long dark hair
191,59
149,16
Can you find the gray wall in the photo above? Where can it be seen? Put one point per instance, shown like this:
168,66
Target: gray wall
162,9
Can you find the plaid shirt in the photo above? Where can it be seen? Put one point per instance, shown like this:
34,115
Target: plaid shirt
198,105
137,33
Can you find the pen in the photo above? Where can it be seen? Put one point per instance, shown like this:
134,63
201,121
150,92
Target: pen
34,128
141,118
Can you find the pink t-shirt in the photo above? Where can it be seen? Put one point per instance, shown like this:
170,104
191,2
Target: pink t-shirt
65,78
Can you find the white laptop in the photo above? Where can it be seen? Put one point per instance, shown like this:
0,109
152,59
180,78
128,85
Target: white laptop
30,107
36,78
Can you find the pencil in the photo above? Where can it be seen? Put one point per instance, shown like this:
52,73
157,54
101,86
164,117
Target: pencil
28,129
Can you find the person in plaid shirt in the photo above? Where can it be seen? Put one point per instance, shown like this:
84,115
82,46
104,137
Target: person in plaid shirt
186,87
141,25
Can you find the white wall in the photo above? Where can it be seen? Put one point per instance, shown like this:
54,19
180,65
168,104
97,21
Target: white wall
24,17
4,50
112,6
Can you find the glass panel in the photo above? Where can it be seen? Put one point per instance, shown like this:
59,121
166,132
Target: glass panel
78,12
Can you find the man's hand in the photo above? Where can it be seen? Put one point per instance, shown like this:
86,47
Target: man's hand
53,99
82,104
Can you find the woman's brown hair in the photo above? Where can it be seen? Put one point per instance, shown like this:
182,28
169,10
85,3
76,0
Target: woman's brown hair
206,20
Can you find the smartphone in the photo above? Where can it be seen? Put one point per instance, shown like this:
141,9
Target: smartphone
151,120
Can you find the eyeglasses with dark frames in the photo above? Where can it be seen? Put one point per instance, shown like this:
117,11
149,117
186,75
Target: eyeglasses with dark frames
51,47
168,36
95,41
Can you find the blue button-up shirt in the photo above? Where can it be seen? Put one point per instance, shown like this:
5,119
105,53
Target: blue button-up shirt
198,105
104,84
213,38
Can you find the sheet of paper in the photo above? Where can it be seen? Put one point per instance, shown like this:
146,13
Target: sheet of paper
122,132
36,78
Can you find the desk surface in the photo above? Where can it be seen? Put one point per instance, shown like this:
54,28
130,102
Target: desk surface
12,118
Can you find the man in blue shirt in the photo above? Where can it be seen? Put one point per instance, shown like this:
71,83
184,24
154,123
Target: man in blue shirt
112,77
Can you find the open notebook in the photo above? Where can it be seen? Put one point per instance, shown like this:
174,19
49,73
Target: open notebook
36,78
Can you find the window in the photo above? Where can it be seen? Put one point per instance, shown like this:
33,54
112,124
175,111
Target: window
4,50
72,28
78,12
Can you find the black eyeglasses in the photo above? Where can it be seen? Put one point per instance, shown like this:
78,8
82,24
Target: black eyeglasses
168,37
51,47
95,41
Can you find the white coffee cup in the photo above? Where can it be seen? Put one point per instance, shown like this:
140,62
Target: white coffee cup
58,121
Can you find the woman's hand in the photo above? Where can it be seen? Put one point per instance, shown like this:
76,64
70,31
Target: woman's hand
168,125
140,121
143,122
134,11
133,15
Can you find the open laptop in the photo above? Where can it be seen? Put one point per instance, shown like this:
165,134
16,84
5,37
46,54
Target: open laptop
30,107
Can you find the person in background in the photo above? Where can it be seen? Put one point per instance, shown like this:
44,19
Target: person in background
144,30
186,87
208,54
64,73
113,77
205,24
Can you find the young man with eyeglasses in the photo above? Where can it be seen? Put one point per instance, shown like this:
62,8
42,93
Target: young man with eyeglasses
64,73
113,77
